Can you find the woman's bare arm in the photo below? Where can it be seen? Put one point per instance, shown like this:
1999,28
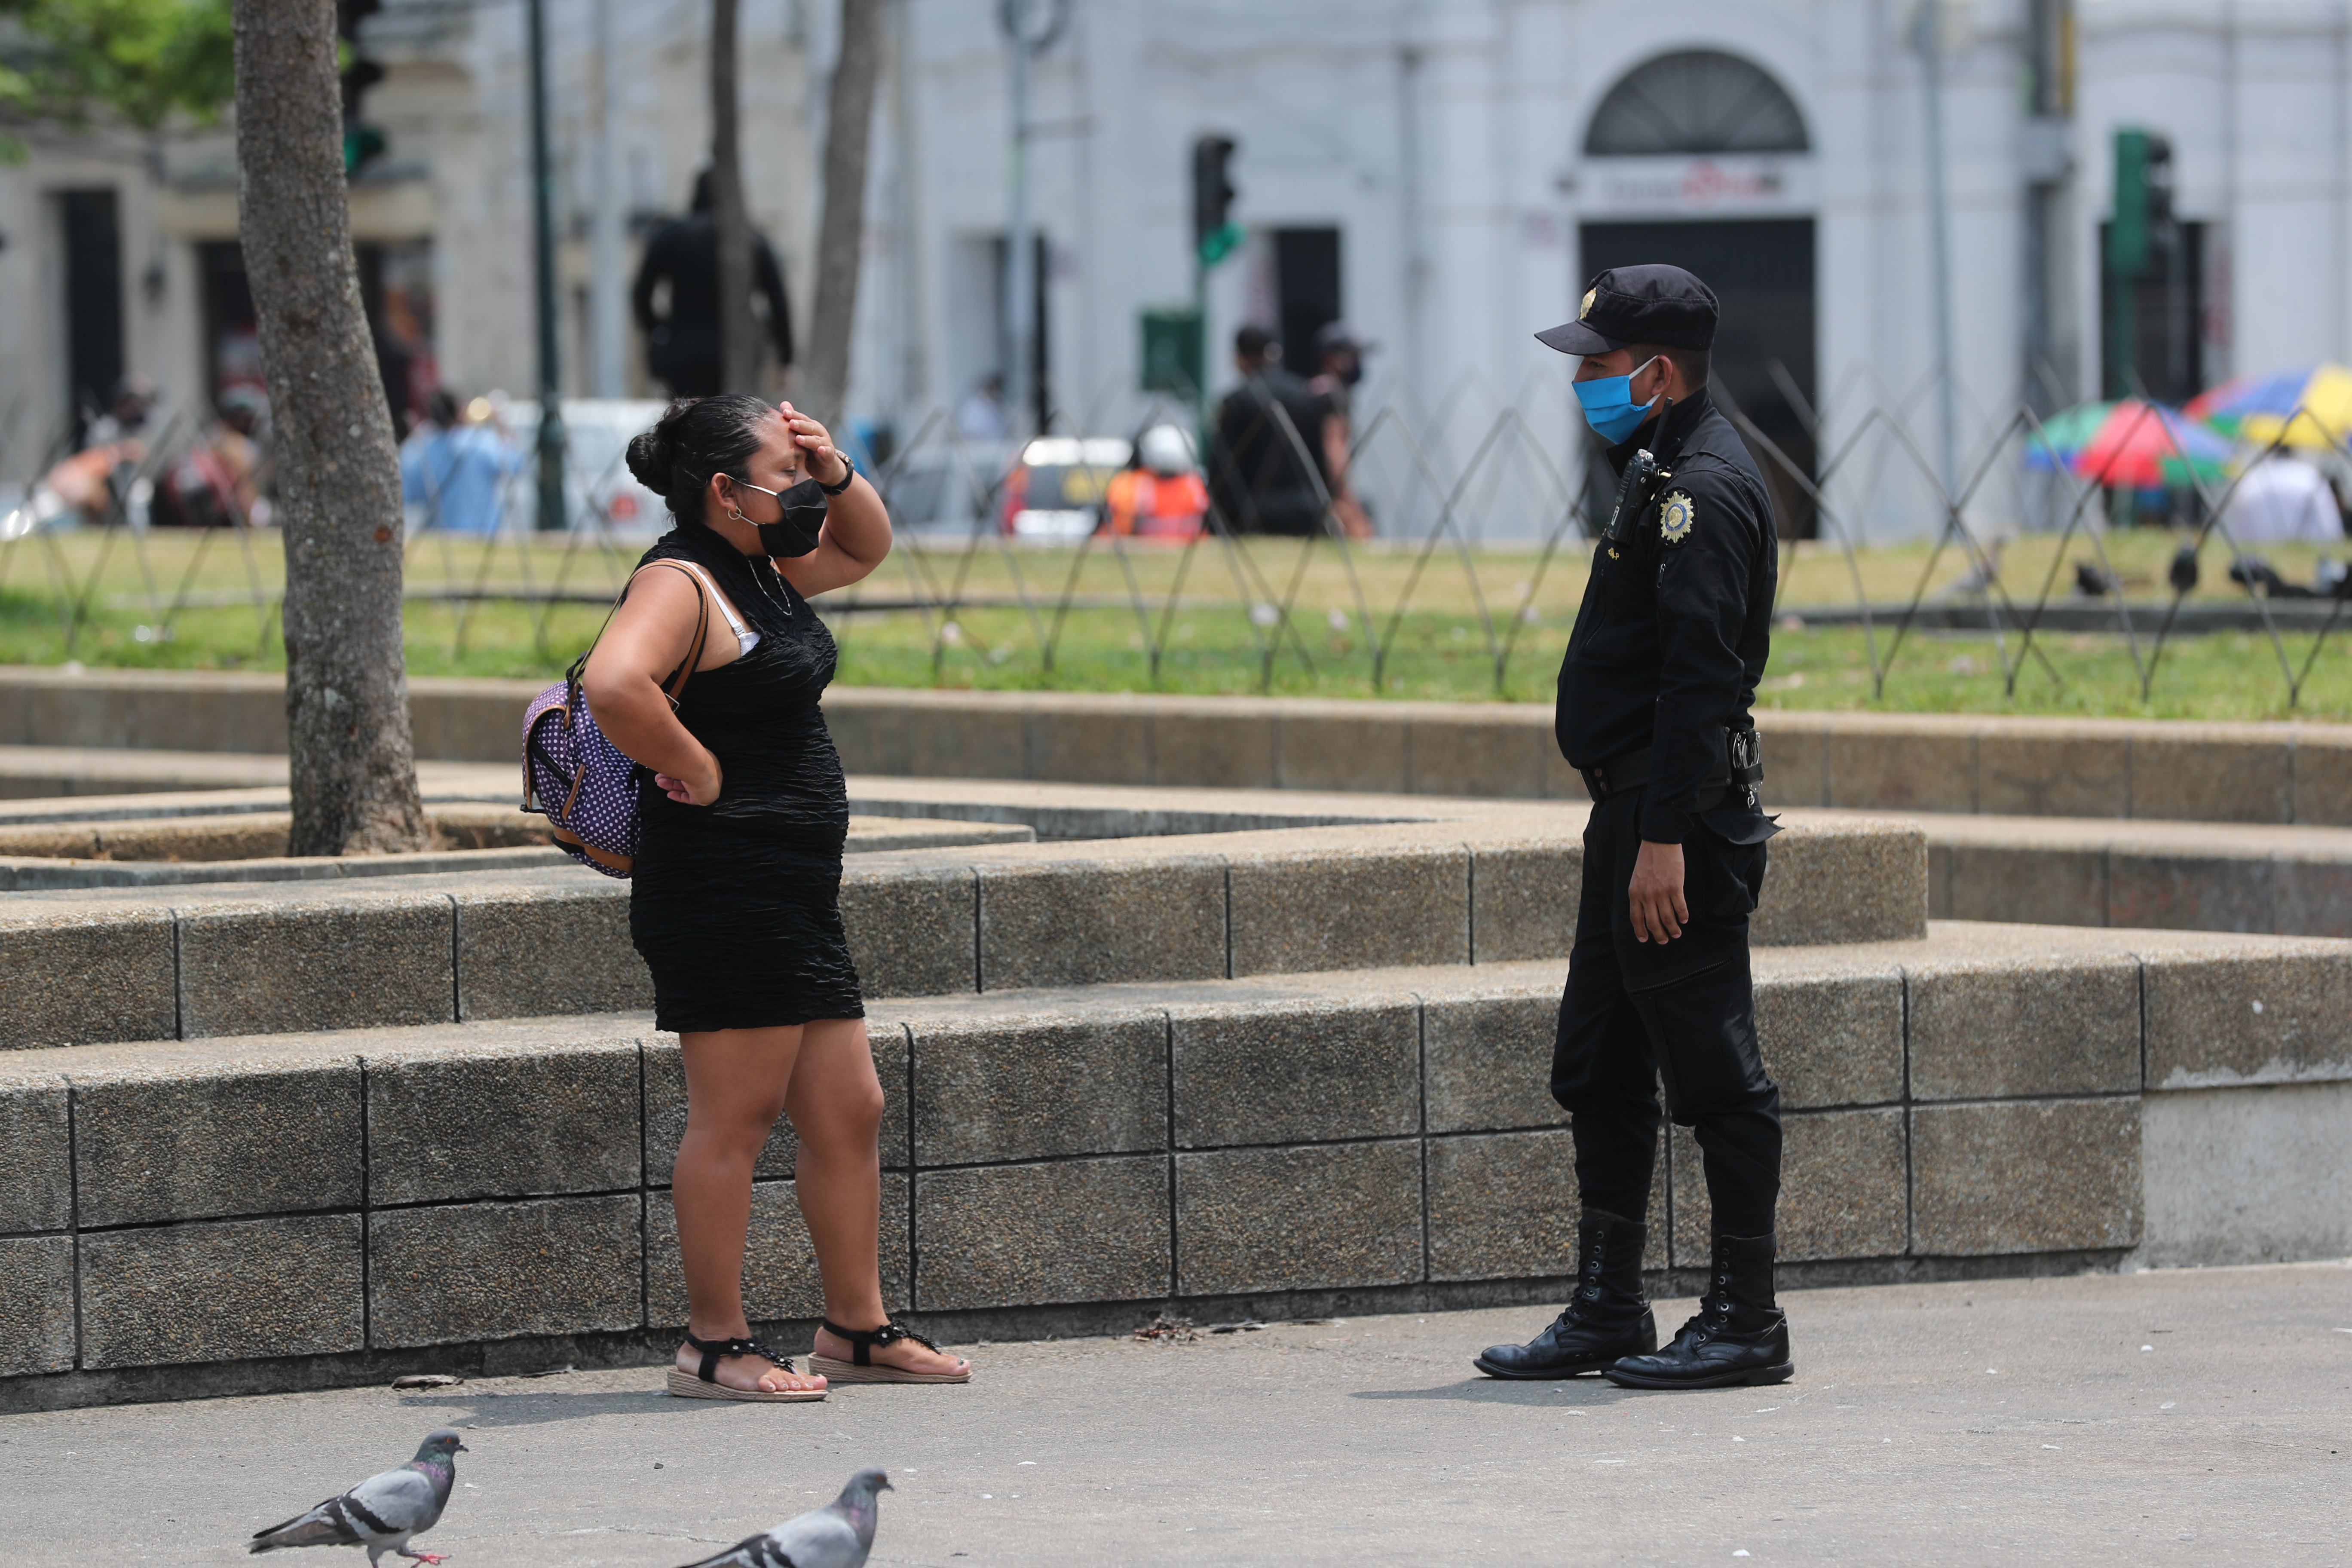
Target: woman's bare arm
648,638
857,534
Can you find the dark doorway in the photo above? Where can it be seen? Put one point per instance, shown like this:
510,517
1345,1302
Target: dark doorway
2168,319
1761,269
92,224
232,333
1306,292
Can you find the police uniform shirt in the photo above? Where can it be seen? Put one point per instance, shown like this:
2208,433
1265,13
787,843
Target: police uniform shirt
1671,635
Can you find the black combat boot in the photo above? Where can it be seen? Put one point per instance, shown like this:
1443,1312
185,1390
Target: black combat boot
1739,1337
1606,1319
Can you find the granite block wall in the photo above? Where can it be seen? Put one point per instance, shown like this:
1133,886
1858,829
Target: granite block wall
250,1200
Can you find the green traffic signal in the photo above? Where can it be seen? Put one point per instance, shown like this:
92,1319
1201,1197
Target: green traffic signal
1220,243
362,145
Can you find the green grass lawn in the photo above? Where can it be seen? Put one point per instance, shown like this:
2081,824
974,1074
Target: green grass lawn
1438,649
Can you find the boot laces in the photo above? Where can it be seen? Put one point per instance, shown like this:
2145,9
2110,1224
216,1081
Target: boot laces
1587,1294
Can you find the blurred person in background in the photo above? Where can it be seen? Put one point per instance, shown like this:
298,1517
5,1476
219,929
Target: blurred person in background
682,347
2283,497
979,417
1266,459
1161,497
217,482
1340,358
455,466
127,408
100,483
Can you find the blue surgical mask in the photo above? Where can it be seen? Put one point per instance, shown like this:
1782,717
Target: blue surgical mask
1608,405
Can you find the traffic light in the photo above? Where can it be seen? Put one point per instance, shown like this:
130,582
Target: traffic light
2143,200
363,143
1215,234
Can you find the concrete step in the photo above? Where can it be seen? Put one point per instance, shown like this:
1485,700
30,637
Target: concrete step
2170,771
142,852
2193,875
1490,884
264,1211
32,775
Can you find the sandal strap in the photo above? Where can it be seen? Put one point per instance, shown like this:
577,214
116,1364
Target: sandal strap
715,1350
863,1341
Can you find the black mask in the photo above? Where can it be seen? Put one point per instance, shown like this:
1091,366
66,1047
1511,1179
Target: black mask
794,533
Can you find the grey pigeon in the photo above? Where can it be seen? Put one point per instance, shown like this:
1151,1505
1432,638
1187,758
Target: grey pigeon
382,1511
837,1535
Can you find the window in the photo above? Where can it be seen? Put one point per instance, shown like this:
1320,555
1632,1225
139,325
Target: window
1696,101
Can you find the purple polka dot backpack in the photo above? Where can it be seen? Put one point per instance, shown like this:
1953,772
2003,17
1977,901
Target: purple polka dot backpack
578,780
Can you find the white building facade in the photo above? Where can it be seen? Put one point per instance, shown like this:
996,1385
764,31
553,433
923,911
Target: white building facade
1464,165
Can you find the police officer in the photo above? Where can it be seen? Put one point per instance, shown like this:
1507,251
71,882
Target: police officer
1653,711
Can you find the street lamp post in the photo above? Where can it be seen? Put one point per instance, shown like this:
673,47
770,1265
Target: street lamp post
1030,28
543,192
1929,36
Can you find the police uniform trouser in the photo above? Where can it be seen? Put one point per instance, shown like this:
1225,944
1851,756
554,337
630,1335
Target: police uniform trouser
1684,1012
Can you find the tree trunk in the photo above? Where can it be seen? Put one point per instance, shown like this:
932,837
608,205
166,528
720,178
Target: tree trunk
841,232
354,769
739,344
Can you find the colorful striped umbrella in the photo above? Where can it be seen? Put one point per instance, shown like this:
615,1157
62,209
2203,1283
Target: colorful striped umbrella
2129,445
2311,408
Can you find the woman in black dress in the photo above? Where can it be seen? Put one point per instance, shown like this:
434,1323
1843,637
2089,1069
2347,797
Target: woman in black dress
735,897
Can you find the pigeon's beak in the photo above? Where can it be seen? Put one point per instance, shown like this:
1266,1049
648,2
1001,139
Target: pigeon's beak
461,1448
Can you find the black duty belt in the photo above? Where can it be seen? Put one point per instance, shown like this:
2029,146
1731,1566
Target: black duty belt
1738,769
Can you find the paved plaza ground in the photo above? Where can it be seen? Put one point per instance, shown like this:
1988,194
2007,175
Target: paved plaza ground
2164,1418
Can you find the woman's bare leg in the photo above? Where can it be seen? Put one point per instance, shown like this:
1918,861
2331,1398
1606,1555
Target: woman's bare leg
835,1103
735,1083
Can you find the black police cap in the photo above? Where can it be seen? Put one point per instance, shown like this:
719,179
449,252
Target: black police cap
1648,304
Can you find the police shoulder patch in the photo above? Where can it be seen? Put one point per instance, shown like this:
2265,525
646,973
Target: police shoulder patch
1676,513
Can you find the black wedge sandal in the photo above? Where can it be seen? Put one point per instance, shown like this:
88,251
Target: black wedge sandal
705,1383
863,1369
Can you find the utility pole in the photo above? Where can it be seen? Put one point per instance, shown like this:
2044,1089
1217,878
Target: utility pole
542,196
1929,37
607,301
1031,26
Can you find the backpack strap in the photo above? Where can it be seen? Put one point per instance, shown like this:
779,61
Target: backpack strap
674,687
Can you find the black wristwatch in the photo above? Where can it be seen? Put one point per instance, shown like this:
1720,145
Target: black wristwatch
849,472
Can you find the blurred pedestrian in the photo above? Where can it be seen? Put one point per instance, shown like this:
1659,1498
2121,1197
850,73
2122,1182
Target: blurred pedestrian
215,483
1654,693
980,416
457,465
127,408
1339,360
1266,462
1161,497
682,346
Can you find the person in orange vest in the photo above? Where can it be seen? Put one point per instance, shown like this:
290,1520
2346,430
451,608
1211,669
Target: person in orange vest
1162,496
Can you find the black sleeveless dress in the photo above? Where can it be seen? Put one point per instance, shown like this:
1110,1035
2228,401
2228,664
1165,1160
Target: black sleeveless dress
736,906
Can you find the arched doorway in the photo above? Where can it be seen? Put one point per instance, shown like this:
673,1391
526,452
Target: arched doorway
1701,159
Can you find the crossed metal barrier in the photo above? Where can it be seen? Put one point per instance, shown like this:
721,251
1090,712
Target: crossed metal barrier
1434,485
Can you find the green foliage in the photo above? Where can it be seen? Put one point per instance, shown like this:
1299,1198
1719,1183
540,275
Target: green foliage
68,62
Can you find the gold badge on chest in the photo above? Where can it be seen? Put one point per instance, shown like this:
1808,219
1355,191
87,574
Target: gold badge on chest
1676,513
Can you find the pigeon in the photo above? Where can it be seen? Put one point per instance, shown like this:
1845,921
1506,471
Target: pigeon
837,1535
382,1511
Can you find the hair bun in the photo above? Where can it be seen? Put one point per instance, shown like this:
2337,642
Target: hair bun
653,455
649,459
